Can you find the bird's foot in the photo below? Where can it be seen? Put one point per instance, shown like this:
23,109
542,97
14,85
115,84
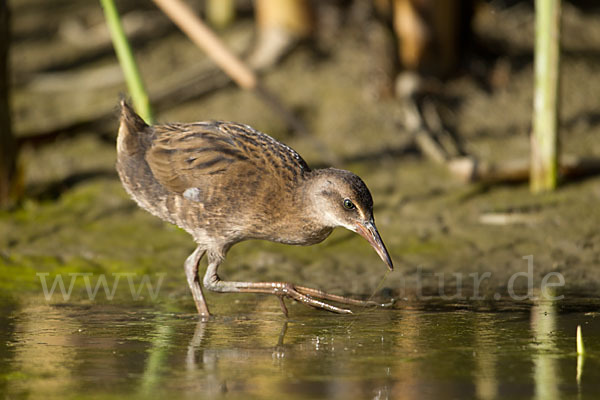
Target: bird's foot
341,299
309,297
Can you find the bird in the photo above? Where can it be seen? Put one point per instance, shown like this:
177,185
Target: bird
225,182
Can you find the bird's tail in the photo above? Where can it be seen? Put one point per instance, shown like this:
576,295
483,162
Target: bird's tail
131,128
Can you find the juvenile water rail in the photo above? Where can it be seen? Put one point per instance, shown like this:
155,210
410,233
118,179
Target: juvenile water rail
224,182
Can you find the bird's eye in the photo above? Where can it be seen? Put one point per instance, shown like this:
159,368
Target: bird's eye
348,204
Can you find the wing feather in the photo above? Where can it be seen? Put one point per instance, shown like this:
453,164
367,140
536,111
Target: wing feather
184,156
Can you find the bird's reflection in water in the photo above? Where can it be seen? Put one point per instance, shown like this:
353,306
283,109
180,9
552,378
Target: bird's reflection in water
301,366
201,360
279,351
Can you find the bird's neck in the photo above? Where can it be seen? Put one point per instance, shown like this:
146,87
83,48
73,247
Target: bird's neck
293,219
310,201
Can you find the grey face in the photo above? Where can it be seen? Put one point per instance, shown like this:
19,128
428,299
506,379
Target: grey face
348,203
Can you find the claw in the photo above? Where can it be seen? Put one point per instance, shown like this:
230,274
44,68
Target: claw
283,307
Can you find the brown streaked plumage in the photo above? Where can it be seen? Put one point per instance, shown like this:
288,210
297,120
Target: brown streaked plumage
225,182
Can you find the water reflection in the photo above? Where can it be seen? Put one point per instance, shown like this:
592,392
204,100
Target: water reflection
66,350
486,358
44,353
543,325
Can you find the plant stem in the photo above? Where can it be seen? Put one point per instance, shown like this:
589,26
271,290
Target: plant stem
8,145
580,348
183,16
544,139
132,74
220,13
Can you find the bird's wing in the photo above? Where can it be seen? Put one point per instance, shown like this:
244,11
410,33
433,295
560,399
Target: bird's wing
185,156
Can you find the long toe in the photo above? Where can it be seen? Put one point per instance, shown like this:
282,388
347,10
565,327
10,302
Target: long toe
292,292
319,294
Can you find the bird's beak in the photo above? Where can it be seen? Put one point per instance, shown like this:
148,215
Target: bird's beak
368,230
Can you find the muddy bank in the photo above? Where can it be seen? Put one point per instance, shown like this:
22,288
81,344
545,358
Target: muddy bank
78,218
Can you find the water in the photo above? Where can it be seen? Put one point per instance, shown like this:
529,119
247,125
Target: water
249,350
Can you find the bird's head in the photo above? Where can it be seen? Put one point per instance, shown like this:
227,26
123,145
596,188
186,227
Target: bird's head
340,198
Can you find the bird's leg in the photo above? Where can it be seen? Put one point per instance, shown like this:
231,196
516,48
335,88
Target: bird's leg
302,294
191,272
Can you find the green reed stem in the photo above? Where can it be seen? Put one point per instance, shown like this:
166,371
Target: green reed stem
132,74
